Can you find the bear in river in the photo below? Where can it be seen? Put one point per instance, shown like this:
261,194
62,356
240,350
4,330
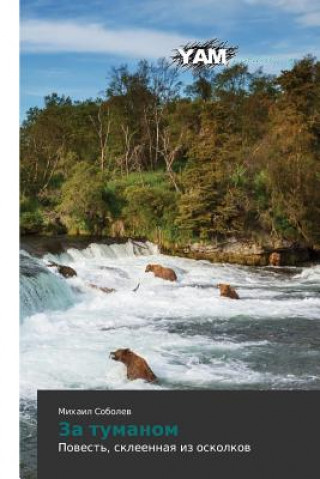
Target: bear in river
162,272
65,271
137,367
104,289
227,291
275,259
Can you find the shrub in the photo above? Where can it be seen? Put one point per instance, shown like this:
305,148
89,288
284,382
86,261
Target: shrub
31,222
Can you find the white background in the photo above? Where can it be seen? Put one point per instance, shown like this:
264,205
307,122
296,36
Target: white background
9,240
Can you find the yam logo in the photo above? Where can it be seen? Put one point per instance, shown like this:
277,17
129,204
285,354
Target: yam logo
209,54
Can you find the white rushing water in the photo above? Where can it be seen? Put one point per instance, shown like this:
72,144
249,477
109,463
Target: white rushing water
40,289
191,337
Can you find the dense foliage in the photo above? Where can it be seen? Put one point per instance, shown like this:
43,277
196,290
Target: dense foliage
233,154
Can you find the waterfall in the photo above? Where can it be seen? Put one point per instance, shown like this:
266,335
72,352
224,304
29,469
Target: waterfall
40,289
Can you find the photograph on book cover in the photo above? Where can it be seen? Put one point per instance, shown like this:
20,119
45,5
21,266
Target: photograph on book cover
169,198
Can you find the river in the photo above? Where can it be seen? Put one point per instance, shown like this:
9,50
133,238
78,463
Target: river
191,337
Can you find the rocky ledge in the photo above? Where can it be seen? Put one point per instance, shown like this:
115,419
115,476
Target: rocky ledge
246,252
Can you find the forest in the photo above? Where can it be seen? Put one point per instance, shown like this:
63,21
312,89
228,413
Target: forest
233,153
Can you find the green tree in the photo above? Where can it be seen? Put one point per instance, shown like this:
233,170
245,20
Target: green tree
83,206
150,211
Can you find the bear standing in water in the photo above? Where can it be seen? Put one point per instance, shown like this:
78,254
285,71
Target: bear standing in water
227,291
275,259
162,272
137,367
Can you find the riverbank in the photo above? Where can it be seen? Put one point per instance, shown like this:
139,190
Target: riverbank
234,251
248,253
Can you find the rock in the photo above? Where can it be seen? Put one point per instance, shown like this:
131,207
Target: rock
162,272
65,271
246,252
137,367
103,289
227,291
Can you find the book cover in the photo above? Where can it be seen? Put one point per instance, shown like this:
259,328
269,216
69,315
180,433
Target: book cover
170,238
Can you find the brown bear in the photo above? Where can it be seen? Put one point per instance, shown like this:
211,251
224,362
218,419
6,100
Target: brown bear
137,367
65,271
275,259
162,272
227,291
103,289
